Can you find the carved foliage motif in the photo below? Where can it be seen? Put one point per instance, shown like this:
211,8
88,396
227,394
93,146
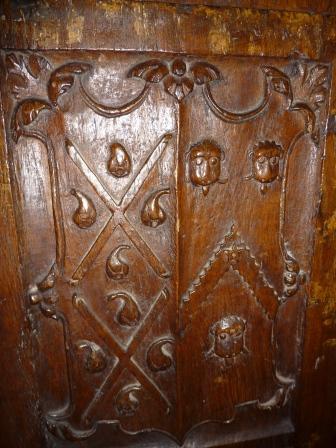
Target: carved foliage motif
21,68
313,83
179,78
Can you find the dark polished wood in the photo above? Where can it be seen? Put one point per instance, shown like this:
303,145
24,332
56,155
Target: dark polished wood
167,224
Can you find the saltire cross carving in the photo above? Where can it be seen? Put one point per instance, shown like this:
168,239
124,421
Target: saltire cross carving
118,209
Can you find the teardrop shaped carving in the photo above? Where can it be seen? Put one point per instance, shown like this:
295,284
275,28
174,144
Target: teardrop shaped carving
126,401
86,214
152,214
116,268
129,313
49,280
95,359
159,355
120,163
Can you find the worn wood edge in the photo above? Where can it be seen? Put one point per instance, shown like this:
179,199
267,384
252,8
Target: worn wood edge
216,31
19,404
315,414
309,6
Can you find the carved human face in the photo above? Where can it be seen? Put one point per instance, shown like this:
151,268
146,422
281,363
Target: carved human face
266,161
229,337
120,163
205,164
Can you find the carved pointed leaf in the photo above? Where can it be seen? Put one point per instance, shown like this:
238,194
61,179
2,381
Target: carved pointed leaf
35,64
313,88
150,71
204,73
129,313
16,78
85,215
317,80
16,81
14,62
179,88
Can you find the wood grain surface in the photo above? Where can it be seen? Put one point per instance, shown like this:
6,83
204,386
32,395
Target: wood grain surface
167,224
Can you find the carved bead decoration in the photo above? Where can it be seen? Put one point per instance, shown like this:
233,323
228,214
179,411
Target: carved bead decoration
293,277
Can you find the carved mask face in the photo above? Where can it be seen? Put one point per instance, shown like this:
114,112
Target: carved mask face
205,164
120,163
266,163
229,337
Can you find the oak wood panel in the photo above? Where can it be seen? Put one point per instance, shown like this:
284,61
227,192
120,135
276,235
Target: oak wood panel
177,105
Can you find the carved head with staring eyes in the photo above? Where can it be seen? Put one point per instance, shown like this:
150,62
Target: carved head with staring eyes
266,163
205,164
228,336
